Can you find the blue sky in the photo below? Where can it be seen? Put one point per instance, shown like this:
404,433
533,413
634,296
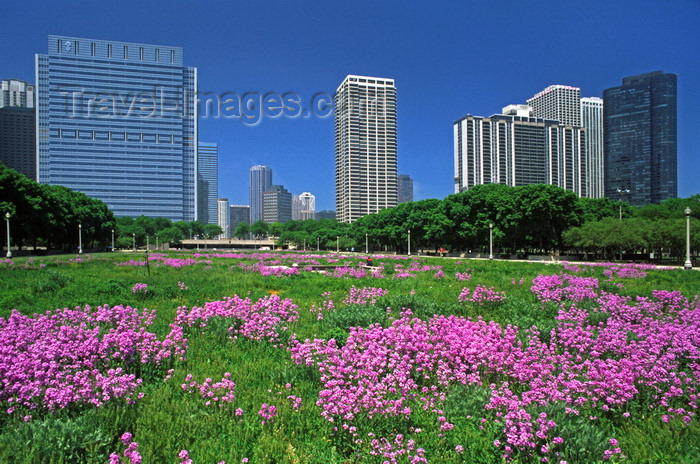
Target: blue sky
448,59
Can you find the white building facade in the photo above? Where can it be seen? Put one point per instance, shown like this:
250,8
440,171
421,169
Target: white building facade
365,147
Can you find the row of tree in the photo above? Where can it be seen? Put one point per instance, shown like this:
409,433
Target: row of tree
51,215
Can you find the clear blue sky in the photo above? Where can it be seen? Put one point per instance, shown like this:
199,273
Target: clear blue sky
448,59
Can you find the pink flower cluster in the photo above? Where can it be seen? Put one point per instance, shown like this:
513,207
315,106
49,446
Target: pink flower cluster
561,287
130,455
73,357
263,320
463,275
482,295
140,288
392,450
646,352
220,393
267,412
364,295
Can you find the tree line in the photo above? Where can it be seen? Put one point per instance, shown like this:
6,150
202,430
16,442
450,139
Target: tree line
522,220
51,215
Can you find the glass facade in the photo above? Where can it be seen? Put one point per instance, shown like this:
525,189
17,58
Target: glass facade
640,138
117,121
260,182
207,182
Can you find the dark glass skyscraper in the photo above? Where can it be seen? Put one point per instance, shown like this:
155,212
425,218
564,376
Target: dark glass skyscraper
640,138
260,182
116,120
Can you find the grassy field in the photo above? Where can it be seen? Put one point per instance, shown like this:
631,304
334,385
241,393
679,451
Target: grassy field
262,358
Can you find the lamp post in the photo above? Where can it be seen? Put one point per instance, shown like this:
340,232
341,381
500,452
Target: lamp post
133,239
80,239
147,244
688,264
112,240
7,219
409,242
622,192
337,244
366,244
196,237
156,242
491,240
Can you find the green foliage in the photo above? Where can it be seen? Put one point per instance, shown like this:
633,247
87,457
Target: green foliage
356,315
50,281
55,439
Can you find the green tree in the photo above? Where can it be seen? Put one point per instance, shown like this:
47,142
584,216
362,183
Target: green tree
243,230
212,231
259,228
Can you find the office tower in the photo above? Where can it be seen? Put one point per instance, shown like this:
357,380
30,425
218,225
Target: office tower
207,182
224,217
405,186
592,121
303,207
239,214
559,102
365,146
325,214
277,204
640,138
260,181
18,127
517,149
117,121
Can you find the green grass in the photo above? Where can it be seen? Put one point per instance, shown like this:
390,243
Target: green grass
167,420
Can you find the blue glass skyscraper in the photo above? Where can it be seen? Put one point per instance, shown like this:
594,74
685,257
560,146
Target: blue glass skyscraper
117,121
640,138
207,182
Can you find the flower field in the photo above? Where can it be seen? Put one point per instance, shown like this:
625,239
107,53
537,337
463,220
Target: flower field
290,357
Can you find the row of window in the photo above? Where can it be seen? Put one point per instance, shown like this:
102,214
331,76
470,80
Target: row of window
73,46
115,136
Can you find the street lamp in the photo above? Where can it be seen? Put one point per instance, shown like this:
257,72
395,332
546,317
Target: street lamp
147,244
337,244
366,244
7,219
196,237
622,192
688,264
491,240
133,238
112,240
80,239
409,242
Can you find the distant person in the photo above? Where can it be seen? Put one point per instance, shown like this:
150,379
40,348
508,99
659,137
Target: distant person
369,261
442,252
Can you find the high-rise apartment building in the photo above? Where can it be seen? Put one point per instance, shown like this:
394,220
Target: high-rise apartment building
592,121
303,207
207,182
239,214
558,102
518,149
18,127
277,205
365,146
116,120
405,186
15,93
224,217
640,138
260,182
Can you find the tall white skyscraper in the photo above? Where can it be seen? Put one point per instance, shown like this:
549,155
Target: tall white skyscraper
260,182
365,147
224,217
559,102
303,207
207,182
592,121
